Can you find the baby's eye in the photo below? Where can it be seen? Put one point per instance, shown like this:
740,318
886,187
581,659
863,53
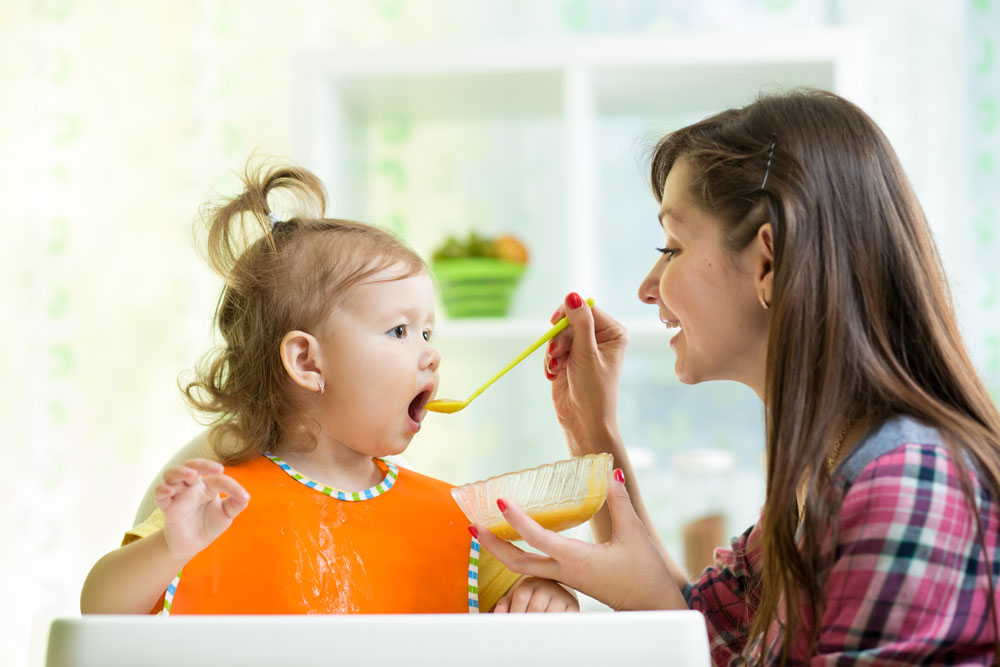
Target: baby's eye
427,334
398,331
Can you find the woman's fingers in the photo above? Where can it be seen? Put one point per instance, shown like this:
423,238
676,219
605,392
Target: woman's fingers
517,560
561,343
607,329
624,520
553,365
555,360
590,329
594,569
555,354
544,540
581,319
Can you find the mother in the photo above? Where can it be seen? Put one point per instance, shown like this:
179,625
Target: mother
798,262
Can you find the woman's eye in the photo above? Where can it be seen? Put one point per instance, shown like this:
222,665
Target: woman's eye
398,331
667,252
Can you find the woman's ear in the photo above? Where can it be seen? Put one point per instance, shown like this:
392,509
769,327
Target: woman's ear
302,359
763,263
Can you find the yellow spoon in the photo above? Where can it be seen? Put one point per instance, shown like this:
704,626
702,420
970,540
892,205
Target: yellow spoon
450,405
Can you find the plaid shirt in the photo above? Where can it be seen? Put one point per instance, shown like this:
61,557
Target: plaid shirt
908,579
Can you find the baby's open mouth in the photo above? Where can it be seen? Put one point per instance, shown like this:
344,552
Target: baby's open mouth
416,408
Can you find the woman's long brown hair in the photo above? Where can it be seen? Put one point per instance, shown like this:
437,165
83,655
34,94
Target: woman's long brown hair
862,323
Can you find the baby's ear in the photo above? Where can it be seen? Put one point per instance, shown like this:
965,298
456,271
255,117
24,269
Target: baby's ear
301,357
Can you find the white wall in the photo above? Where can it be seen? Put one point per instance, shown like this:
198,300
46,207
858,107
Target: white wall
119,117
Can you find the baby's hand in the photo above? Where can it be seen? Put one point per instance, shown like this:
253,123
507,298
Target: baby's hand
531,594
194,514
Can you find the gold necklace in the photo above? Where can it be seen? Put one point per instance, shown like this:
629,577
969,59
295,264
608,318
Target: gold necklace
832,460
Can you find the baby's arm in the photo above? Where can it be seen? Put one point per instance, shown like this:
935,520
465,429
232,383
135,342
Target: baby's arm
129,580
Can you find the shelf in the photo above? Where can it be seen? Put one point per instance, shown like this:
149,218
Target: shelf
453,96
688,50
526,329
543,140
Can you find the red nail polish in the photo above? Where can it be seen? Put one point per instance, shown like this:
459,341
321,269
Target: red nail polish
552,365
555,317
474,531
501,504
552,346
550,376
619,475
574,300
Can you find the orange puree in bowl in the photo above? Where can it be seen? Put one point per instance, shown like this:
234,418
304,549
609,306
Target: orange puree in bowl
553,518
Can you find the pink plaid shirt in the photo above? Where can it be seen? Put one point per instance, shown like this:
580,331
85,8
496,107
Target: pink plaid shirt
908,582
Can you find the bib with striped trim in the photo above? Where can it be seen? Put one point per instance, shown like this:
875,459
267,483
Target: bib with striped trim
301,547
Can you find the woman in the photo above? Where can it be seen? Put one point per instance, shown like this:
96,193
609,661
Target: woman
798,262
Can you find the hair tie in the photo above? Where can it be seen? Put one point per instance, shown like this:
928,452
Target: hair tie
274,218
770,154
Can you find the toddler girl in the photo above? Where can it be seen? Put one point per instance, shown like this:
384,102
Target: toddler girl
325,369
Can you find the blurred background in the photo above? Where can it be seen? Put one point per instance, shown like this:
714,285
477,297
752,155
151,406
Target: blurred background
525,118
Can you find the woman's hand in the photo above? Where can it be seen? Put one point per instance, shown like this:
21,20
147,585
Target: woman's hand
626,572
193,511
584,363
531,594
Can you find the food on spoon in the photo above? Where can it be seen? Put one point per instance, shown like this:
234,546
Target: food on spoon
445,405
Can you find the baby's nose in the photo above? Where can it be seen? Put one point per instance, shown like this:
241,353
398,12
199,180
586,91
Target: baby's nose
431,359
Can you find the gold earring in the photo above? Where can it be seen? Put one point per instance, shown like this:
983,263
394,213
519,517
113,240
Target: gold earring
321,388
763,301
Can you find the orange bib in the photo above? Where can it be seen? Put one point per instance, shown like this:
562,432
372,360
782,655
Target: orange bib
303,548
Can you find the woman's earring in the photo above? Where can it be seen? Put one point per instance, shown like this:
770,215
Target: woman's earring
763,301
321,388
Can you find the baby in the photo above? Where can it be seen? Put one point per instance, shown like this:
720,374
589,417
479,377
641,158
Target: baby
325,370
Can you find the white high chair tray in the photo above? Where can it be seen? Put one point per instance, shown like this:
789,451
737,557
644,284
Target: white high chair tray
597,638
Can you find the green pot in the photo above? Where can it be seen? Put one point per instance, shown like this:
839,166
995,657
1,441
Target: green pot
477,286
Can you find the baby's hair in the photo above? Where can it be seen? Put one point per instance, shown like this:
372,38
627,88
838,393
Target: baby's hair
282,271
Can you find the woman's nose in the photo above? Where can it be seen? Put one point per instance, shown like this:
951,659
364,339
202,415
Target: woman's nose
649,288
